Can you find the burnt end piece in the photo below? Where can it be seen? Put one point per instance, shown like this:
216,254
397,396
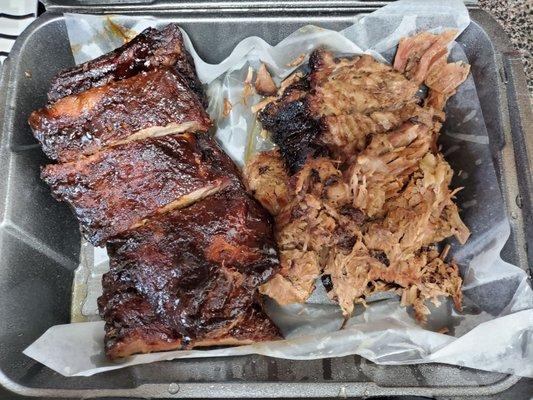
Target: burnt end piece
317,60
141,106
116,189
189,278
151,49
293,128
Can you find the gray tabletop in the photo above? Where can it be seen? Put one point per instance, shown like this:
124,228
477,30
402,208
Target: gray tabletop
516,17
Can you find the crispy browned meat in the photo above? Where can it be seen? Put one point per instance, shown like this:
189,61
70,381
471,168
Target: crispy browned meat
151,49
117,189
265,177
366,212
189,278
149,104
359,85
293,128
348,134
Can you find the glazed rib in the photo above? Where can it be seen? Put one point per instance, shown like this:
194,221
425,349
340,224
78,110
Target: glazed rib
253,326
116,189
189,278
149,104
150,49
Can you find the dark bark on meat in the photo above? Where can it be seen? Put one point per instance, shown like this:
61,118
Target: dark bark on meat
116,189
188,246
354,213
139,106
293,128
194,272
150,49
326,281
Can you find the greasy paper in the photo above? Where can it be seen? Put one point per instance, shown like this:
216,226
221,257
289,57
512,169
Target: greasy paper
499,328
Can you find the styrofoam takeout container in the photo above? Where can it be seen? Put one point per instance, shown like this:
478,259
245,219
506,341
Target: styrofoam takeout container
40,240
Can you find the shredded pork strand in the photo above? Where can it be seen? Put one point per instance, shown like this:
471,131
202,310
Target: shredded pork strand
366,211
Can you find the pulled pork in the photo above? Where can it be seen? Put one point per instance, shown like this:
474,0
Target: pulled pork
360,193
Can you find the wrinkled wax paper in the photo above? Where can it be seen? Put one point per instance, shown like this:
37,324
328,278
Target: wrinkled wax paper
495,330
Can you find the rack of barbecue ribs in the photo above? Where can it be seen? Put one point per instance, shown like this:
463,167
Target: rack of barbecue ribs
188,246
189,277
358,187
